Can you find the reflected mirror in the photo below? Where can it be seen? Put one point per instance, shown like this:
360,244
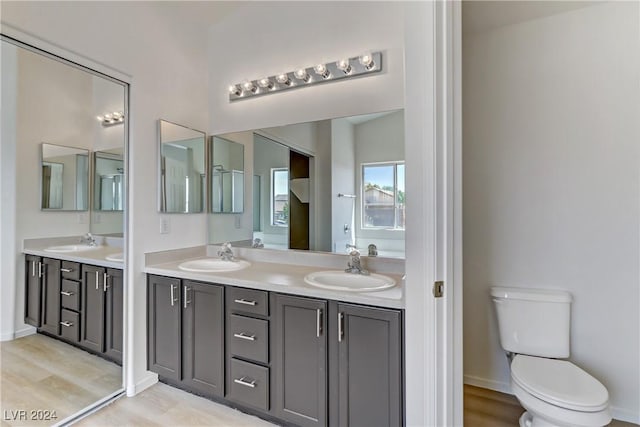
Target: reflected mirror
108,180
227,176
182,168
353,187
64,178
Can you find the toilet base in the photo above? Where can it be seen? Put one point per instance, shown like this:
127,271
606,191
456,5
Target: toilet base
527,420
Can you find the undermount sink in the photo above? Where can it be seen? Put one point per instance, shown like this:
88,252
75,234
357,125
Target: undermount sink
71,248
117,257
343,281
211,265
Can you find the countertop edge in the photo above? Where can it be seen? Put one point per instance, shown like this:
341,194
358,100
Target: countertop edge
75,258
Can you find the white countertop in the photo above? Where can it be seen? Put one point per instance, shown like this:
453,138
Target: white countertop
95,256
284,278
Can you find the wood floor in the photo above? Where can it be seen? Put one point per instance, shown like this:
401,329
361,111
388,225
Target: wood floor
162,405
41,373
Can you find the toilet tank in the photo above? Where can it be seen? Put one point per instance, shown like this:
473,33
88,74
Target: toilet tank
533,321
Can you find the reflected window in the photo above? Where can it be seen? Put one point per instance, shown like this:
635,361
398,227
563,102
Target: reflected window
280,197
383,195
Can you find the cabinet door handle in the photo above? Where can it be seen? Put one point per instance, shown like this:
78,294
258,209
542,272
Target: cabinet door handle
244,336
245,302
340,326
105,279
66,324
39,269
97,280
186,292
242,381
66,270
33,268
318,322
66,294
173,296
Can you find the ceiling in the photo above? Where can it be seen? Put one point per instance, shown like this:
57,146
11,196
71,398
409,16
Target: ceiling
479,15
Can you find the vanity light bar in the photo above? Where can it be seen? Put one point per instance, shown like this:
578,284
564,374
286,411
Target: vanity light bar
357,66
110,119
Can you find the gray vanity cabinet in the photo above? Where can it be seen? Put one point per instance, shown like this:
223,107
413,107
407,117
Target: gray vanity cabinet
94,287
186,333
300,365
33,291
51,296
366,366
114,299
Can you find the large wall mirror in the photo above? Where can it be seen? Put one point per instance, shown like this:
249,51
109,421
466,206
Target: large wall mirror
227,176
340,181
182,168
64,178
72,184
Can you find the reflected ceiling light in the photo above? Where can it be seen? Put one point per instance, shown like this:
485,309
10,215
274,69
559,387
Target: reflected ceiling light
110,119
356,66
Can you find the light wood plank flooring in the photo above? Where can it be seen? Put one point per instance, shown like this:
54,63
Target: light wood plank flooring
41,373
162,405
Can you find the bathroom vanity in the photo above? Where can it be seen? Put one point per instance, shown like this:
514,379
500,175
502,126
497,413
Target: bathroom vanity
262,340
76,296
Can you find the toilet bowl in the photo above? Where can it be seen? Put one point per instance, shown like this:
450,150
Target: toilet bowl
534,327
557,393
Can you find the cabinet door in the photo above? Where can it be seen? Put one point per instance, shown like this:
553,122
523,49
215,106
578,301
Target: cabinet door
203,337
114,304
163,326
51,296
300,362
369,366
33,291
92,324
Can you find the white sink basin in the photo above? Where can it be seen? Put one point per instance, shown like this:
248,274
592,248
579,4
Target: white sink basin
342,281
71,248
211,265
117,257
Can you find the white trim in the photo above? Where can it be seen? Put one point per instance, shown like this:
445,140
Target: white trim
91,409
25,332
149,379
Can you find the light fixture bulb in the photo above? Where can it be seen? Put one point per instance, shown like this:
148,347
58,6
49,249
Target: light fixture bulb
249,87
235,90
108,117
283,79
265,83
301,74
321,70
116,115
101,118
367,61
344,66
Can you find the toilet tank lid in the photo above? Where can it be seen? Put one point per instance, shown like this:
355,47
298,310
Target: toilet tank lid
526,294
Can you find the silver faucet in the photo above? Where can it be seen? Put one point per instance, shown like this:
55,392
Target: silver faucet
225,252
88,239
373,250
257,243
349,247
354,266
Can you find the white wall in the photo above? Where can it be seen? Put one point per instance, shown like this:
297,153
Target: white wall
551,186
164,53
343,180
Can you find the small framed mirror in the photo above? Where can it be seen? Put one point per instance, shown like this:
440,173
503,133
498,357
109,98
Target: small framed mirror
108,180
227,176
64,178
182,169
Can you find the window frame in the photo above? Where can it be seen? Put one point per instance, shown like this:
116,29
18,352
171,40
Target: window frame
272,196
395,165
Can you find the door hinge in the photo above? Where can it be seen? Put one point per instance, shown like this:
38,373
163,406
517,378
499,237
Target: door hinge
438,289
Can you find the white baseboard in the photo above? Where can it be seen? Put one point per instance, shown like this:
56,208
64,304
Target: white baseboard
29,330
149,379
616,412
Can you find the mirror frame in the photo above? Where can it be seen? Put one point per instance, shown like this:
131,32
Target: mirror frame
205,201
88,194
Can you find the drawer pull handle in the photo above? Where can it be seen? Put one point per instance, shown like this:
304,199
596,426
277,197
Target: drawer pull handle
66,324
33,268
66,294
66,270
244,336
245,302
242,381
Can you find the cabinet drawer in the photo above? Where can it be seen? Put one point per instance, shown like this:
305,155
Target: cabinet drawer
248,301
70,270
248,338
70,295
70,325
249,384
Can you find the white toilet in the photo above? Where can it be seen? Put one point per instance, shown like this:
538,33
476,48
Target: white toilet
534,329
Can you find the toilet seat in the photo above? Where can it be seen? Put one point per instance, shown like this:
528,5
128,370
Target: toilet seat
560,383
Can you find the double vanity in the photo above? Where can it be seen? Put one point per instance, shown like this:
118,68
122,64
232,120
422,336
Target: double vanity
288,336
74,292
